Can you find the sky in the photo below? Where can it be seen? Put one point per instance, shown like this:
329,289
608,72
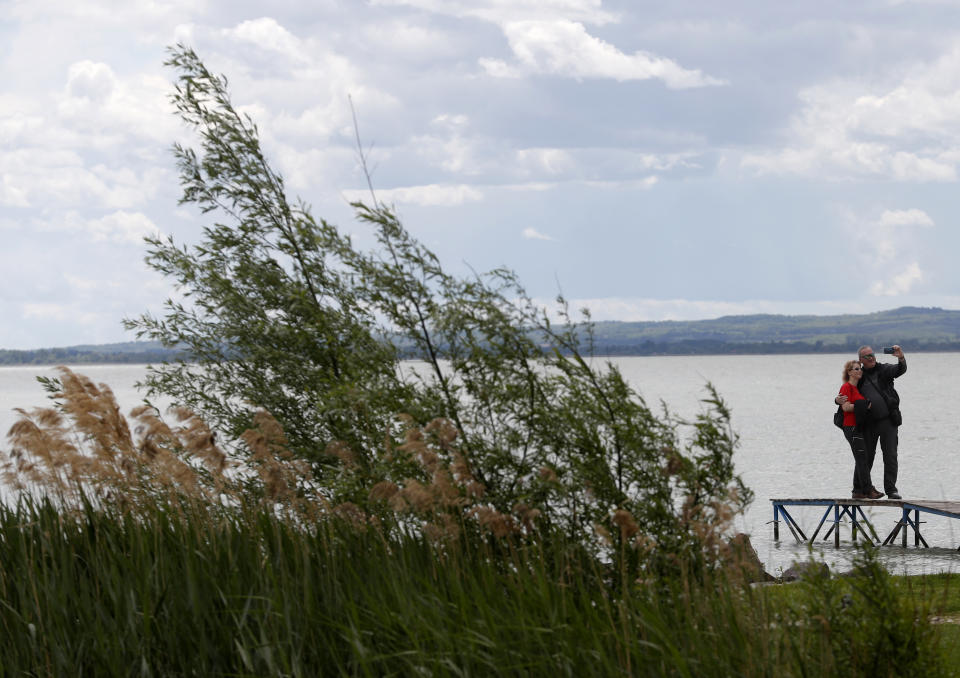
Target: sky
648,160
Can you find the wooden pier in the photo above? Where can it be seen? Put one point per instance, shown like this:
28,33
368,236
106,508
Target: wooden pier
853,509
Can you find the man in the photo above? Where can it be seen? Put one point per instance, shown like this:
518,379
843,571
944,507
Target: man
876,385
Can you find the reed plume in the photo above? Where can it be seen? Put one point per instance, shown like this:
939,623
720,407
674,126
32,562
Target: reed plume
82,448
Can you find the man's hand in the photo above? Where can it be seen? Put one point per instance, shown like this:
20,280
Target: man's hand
840,399
897,351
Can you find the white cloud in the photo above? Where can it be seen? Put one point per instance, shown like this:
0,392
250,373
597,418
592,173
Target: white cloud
410,40
73,312
563,47
633,184
503,11
906,130
46,310
885,242
147,18
549,37
911,217
267,34
122,227
37,177
900,283
93,109
533,234
11,195
119,227
431,195
548,160
450,148
90,80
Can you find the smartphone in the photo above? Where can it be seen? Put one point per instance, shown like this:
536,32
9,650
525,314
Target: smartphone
888,350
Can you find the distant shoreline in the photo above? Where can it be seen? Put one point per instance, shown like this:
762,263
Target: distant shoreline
918,330
156,359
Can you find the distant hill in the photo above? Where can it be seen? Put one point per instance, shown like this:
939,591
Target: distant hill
131,352
916,329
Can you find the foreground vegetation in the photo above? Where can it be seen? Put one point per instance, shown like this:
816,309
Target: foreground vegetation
190,591
157,552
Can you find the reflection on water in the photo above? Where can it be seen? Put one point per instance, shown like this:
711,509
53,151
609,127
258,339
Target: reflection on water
782,408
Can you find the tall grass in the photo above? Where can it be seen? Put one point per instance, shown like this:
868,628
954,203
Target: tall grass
187,592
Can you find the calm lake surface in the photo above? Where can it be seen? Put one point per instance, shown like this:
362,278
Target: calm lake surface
782,409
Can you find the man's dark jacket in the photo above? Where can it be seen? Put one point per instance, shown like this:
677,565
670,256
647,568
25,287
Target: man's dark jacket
876,385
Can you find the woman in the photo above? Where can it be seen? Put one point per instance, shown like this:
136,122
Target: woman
856,406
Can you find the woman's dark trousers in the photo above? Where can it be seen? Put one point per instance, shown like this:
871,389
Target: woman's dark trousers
883,431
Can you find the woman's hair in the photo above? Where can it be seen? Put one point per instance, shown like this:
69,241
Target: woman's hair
846,368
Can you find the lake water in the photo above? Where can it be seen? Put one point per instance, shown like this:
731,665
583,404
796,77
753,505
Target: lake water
782,409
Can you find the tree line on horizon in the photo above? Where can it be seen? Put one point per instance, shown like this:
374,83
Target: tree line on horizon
918,329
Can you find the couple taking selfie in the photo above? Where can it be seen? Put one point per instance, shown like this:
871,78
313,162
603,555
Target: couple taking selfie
871,415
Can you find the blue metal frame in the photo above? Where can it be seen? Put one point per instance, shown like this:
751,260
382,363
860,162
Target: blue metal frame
906,522
850,508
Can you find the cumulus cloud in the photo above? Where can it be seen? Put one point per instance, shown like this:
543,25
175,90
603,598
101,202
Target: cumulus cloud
911,217
90,80
643,184
267,34
52,179
11,195
901,283
533,234
121,227
411,40
551,161
565,48
549,37
451,147
431,195
906,130
885,241
500,12
47,310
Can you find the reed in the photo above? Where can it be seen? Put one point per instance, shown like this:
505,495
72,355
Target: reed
82,450
183,592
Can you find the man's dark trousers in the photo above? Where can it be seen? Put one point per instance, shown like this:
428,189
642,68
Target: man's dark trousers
884,432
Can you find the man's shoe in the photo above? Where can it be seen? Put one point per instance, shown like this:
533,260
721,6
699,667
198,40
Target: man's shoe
894,495
874,493
861,495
